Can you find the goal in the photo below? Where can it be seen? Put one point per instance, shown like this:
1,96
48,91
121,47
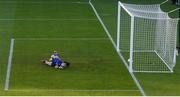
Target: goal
146,38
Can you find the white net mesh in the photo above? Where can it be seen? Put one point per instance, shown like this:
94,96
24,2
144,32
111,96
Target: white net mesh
149,8
154,38
146,11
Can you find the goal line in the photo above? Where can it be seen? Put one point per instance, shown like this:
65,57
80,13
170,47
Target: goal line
114,44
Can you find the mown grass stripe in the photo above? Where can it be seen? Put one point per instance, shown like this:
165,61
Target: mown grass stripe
29,90
49,19
44,2
83,39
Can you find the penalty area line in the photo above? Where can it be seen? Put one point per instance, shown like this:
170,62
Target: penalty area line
9,65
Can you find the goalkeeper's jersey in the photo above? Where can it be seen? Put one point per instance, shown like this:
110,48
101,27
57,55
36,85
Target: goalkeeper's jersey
55,59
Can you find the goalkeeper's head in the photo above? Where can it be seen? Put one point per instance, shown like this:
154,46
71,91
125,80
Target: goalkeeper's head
55,53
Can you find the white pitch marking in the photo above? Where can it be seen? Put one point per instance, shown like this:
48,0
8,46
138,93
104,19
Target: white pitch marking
9,65
114,44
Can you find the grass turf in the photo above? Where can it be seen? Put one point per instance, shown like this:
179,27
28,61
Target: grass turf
29,77
152,83
95,68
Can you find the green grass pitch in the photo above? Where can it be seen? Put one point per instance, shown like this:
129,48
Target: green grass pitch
70,27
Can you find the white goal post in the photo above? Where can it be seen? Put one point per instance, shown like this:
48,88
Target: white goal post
146,38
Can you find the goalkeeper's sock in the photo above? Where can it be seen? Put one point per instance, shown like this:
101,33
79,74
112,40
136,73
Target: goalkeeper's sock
61,67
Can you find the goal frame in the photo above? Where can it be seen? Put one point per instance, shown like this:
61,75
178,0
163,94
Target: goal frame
130,60
131,33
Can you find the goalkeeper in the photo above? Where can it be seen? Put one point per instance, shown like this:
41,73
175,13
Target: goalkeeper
55,61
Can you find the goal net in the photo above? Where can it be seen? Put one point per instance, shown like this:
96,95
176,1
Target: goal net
146,38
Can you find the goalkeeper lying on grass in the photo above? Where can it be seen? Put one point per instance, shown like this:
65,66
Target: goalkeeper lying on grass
55,61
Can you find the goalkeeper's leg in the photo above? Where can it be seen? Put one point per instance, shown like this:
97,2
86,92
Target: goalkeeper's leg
47,62
64,65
